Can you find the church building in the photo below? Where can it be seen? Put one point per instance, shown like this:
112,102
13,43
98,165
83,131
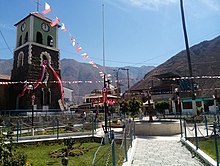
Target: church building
36,66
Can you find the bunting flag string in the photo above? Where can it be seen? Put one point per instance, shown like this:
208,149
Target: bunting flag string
37,83
55,22
72,39
47,8
85,56
63,27
78,49
190,78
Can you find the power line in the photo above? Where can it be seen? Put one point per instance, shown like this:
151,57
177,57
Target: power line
6,42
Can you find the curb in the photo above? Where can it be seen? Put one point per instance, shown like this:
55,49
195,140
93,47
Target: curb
207,159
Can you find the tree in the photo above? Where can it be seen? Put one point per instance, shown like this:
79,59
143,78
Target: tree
8,155
124,107
161,106
134,107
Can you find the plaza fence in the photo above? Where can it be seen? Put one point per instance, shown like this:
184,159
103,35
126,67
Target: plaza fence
203,132
122,143
24,125
50,125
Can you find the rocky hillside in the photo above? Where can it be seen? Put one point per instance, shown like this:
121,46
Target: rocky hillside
205,58
72,70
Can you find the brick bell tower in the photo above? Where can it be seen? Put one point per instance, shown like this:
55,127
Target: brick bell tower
36,43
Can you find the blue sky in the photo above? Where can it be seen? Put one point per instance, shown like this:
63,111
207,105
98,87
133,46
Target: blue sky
137,32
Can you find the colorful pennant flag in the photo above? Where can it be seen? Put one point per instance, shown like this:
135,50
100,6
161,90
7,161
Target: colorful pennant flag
91,62
85,56
47,8
95,66
54,22
63,27
78,49
73,41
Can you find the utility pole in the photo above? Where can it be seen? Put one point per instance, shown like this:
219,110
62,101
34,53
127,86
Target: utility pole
188,57
105,104
105,82
187,47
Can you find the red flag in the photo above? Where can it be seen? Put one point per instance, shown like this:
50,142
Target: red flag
47,8
54,22
78,49
85,56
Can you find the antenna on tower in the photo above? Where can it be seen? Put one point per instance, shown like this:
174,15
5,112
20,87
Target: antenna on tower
38,4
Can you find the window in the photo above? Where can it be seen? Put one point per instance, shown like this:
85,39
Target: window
187,105
26,37
20,41
39,38
49,41
20,61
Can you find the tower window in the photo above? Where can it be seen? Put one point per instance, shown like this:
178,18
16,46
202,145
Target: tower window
39,38
20,41
20,61
50,41
26,37
44,56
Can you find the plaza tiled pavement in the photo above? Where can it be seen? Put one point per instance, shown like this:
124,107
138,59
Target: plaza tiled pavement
161,151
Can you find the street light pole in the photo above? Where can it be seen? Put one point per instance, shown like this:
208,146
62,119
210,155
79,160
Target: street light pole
105,104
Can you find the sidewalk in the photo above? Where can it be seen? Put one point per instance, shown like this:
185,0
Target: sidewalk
160,151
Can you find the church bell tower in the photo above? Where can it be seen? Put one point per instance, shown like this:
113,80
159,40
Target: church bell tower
36,64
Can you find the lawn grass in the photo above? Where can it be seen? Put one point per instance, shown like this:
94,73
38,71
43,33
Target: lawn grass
208,146
42,154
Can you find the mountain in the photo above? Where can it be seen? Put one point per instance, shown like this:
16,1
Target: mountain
6,66
205,58
72,70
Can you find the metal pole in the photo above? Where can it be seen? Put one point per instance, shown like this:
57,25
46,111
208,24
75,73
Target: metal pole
131,133
32,118
196,136
134,128
117,85
113,148
17,130
206,126
92,126
216,144
128,79
185,129
103,53
57,128
125,145
187,47
105,107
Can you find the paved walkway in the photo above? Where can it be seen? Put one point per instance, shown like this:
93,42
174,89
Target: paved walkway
161,151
